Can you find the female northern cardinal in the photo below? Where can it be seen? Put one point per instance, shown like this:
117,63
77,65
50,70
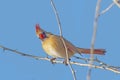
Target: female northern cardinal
53,45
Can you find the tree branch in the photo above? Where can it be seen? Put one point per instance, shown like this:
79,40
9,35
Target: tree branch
93,38
117,2
107,9
101,64
61,37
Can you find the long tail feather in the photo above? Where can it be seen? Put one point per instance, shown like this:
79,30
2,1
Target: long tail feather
87,51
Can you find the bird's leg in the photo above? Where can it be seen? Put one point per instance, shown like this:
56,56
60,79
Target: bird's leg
52,60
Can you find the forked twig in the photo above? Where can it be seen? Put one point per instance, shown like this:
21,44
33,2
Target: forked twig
61,36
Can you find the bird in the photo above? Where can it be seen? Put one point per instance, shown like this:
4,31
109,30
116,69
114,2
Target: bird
53,45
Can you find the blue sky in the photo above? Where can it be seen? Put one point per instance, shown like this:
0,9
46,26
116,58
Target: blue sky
17,31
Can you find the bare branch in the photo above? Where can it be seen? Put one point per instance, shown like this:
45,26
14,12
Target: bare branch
61,36
93,39
107,9
117,2
101,65
57,17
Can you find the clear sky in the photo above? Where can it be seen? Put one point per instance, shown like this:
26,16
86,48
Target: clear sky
17,31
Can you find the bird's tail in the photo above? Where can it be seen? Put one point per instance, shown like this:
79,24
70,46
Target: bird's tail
87,51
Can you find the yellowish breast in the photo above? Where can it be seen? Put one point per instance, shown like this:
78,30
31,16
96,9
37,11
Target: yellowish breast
54,47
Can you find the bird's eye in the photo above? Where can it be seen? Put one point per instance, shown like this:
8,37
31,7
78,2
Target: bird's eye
43,33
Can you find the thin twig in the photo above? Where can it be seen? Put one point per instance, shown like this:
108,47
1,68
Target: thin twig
117,2
57,17
107,9
61,36
101,65
93,38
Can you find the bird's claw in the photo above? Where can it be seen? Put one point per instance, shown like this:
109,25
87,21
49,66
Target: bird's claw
65,61
52,60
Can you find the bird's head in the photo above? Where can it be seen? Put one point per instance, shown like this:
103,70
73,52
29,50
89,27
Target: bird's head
41,33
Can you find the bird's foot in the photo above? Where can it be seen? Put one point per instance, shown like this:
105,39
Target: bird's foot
66,62
52,60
